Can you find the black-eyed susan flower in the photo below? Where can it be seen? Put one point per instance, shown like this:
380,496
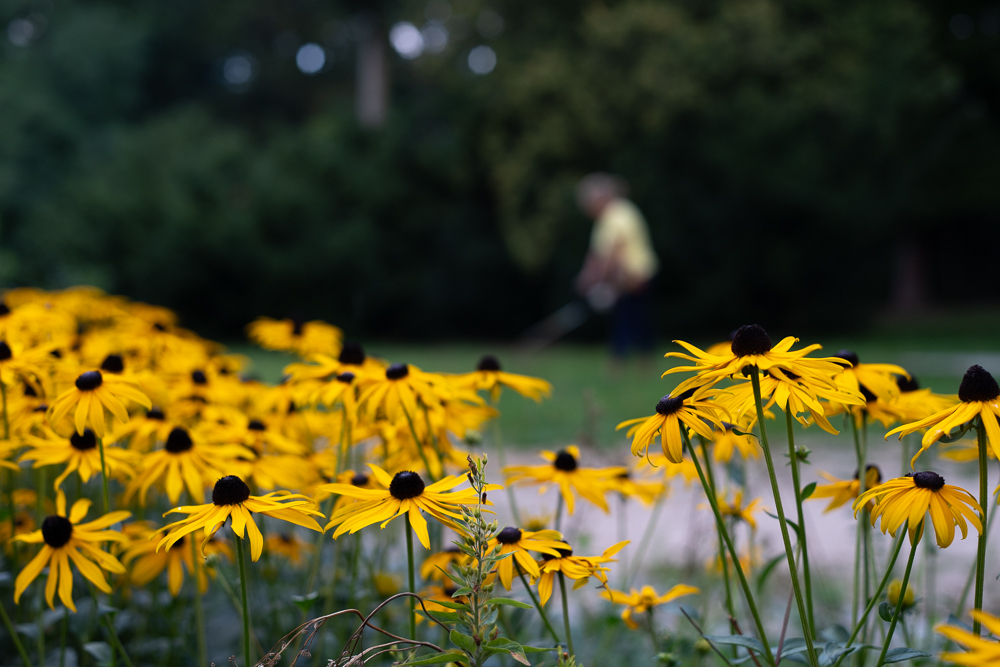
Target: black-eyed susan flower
434,595
145,562
641,601
978,396
400,392
81,455
726,442
21,361
691,409
659,463
490,377
92,393
23,501
737,510
878,380
631,486
577,568
913,402
141,434
290,546
65,539
751,347
403,493
565,471
294,335
979,652
185,462
231,499
842,491
910,498
436,565
519,542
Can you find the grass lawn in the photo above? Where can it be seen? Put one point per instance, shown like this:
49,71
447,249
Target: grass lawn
590,398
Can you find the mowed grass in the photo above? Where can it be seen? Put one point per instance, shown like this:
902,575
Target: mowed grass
590,396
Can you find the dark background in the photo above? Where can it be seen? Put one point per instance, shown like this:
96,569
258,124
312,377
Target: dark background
811,164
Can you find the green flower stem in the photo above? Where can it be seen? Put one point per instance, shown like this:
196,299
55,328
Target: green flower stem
984,498
902,597
723,559
565,606
246,606
498,443
116,643
104,476
6,417
64,626
420,446
13,635
199,609
878,593
559,511
647,536
792,570
538,606
747,593
412,576
804,550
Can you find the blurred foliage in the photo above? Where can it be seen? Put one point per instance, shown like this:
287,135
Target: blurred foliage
783,152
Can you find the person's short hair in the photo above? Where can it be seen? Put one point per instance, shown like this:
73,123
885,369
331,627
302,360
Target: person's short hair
599,185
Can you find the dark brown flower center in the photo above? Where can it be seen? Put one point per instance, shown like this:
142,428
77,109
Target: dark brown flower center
907,384
352,354
156,414
565,461
978,385
397,372
509,535
56,531
928,480
563,553
89,381
198,377
870,467
230,490
848,355
178,441
346,377
83,442
256,425
405,485
360,479
488,363
750,339
5,352
113,363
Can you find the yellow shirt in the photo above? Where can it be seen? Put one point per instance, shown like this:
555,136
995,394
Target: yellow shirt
622,227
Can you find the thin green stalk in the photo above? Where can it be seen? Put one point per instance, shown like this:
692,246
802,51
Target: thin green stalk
623,534
806,576
40,639
6,418
874,600
747,593
902,597
647,536
104,477
981,548
861,525
538,606
565,606
972,572
419,445
559,511
199,610
652,630
40,481
13,635
792,570
246,607
115,642
62,637
724,561
412,576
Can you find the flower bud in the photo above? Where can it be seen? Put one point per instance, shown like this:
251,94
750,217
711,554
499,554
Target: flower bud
894,588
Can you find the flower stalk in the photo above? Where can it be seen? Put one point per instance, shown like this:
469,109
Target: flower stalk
899,603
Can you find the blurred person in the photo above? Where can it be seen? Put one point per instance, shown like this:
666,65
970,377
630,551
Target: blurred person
620,264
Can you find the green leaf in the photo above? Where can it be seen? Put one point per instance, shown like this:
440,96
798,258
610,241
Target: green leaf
768,569
305,602
953,438
510,646
452,605
462,591
739,432
435,659
444,617
737,640
791,523
509,602
535,649
886,610
901,654
464,642
808,490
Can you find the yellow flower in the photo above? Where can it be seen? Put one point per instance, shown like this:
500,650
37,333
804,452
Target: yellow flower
434,595
184,462
519,542
488,376
978,394
578,568
289,545
726,442
669,469
403,493
400,391
693,409
871,380
92,394
21,361
752,346
436,565
81,455
638,602
737,510
979,652
910,498
65,539
294,335
913,403
146,562
564,470
841,491
143,433
646,491
231,499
